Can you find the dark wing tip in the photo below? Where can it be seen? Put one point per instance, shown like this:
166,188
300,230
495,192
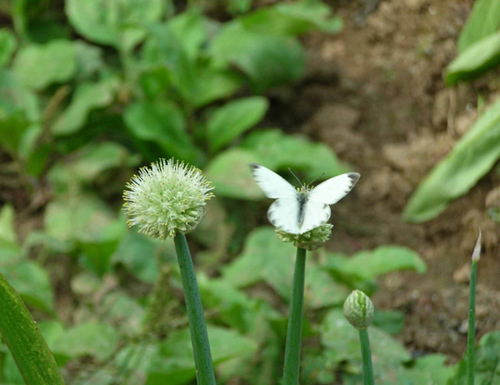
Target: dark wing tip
254,166
354,177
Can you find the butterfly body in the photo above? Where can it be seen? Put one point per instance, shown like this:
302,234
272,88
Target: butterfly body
298,211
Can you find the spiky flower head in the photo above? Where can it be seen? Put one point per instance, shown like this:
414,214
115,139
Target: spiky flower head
358,310
167,198
310,240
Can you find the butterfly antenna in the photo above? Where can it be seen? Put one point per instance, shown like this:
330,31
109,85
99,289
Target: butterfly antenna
289,169
310,183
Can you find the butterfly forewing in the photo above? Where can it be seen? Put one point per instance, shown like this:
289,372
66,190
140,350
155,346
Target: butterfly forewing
273,185
334,189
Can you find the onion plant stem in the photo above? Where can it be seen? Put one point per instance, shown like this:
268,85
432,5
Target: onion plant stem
366,356
471,338
294,332
199,337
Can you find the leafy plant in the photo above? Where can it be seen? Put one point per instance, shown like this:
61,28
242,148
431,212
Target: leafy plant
477,151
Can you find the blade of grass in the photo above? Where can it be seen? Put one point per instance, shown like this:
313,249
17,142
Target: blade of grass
294,332
30,351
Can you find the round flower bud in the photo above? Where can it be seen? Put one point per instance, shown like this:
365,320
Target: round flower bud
310,240
167,198
358,310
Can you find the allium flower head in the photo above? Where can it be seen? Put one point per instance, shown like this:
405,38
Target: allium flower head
167,198
310,240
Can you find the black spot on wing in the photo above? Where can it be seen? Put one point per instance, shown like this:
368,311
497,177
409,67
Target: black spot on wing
353,177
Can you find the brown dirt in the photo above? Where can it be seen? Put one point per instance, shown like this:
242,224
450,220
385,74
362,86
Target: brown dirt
375,94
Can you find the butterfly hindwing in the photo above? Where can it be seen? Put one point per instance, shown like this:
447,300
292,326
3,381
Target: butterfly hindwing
315,214
283,214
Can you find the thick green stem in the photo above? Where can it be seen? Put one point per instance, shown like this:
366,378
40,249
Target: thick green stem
471,338
294,333
366,356
30,351
199,337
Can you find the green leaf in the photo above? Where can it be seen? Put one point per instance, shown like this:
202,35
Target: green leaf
190,29
483,21
174,362
13,128
96,340
472,157
475,60
138,254
113,22
8,236
367,265
390,321
487,363
234,118
280,151
230,173
214,84
31,282
88,59
25,341
292,18
268,60
38,66
8,45
87,97
164,123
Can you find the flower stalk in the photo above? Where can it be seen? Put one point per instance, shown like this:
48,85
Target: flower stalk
197,326
294,332
471,337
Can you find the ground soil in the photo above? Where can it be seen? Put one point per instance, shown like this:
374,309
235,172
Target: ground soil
375,94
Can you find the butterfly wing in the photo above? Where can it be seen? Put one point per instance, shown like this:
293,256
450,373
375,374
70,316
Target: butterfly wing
284,214
317,209
273,185
334,189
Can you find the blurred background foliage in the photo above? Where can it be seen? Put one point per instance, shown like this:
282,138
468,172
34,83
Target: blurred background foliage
92,89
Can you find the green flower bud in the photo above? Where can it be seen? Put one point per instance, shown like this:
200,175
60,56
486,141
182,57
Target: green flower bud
310,240
167,198
358,310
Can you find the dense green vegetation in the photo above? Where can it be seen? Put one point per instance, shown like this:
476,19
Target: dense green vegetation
89,91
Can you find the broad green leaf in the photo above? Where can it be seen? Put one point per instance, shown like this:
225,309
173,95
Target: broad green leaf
475,60
280,151
473,156
487,363
8,236
89,59
7,46
77,218
234,118
31,282
113,22
367,265
174,362
13,127
125,312
214,84
87,97
164,123
230,173
139,253
98,341
38,66
292,18
268,60
15,98
341,342
390,321
190,29
484,20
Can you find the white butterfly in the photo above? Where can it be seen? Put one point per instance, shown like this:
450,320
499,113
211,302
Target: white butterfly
297,211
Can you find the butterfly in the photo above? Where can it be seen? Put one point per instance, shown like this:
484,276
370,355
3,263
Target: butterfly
298,211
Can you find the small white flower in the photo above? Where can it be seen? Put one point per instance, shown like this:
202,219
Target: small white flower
167,198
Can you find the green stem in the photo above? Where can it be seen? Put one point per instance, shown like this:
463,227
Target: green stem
294,332
471,338
366,357
199,337
30,351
